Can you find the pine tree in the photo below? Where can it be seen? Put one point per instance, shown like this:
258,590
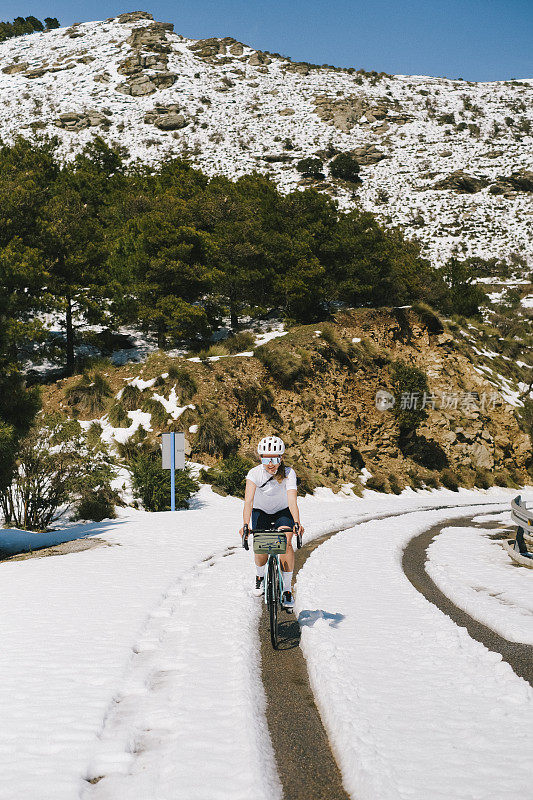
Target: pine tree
73,245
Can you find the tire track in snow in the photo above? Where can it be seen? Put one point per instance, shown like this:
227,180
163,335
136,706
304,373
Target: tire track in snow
518,656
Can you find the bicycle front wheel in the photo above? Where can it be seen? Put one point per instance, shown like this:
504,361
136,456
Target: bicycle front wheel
273,600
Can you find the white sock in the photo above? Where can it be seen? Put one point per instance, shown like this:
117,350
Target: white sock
260,571
287,581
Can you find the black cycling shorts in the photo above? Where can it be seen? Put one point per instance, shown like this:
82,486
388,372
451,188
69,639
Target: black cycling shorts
261,520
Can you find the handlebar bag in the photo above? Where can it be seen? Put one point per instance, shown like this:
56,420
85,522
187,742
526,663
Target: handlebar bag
270,543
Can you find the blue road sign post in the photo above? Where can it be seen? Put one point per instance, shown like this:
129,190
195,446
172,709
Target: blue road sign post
172,471
173,458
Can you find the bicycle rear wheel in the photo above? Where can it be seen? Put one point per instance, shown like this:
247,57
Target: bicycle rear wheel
273,600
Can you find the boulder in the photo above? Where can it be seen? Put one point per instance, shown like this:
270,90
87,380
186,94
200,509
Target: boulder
97,118
72,121
300,68
286,112
368,154
163,79
236,49
141,86
170,122
13,69
462,183
75,121
258,58
166,118
137,87
480,456
345,112
131,16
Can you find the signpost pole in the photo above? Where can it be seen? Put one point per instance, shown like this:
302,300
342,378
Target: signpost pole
172,472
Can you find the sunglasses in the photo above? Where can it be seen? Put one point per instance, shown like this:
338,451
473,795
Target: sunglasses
271,459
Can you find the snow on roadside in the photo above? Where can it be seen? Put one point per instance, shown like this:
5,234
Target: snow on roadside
73,628
99,646
413,706
476,573
190,689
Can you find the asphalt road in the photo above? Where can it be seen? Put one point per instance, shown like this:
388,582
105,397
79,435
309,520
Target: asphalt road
306,766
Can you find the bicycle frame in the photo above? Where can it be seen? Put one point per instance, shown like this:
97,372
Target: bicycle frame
279,575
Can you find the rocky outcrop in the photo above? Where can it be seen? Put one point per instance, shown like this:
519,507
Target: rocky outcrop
166,118
151,37
137,87
332,425
344,113
259,59
14,69
137,62
368,154
299,67
140,85
131,16
462,183
76,121
147,72
517,182
210,49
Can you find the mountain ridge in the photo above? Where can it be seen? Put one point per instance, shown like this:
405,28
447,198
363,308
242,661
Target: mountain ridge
426,149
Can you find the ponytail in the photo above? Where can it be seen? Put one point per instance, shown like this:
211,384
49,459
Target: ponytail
282,471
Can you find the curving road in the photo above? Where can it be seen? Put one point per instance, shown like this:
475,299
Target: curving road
518,656
306,764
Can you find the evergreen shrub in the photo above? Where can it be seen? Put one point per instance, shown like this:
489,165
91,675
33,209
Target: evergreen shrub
215,435
229,474
89,396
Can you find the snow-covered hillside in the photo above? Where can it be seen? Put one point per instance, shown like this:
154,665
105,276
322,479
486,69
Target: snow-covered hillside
233,109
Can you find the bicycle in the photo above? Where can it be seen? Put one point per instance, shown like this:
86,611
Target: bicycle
274,543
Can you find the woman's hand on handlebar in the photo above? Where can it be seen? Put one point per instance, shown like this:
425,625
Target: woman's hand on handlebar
244,531
298,530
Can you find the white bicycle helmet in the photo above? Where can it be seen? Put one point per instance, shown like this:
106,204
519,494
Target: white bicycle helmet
271,446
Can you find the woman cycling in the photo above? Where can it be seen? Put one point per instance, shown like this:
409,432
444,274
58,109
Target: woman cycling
270,501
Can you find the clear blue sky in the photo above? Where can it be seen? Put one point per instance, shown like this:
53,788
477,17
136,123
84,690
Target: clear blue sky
471,39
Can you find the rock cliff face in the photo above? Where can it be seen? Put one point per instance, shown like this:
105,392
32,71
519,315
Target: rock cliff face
316,387
333,427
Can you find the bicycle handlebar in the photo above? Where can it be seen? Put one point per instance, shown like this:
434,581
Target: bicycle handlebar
246,531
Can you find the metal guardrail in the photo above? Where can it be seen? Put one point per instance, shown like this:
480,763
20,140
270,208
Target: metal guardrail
522,516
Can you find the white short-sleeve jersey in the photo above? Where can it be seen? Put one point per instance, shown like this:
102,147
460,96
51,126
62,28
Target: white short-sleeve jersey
271,495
